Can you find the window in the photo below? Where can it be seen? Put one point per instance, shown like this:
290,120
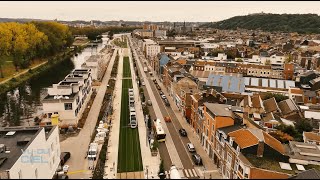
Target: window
36,173
55,113
49,115
240,169
229,158
68,106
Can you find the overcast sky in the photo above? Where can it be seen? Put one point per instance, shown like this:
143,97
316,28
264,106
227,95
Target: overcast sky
201,11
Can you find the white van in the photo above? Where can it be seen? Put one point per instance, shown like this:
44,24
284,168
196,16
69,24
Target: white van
93,151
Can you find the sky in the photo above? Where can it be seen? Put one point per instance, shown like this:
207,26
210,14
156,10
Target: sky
192,11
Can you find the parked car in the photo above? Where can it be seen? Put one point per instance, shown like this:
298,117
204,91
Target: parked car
163,96
142,83
149,102
161,93
158,87
197,159
191,147
183,132
64,156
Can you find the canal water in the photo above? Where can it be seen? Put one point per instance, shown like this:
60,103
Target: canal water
21,105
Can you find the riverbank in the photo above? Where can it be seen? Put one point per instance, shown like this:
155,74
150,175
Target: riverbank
27,74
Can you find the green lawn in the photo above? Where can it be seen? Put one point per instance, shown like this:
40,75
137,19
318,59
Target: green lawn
126,67
129,154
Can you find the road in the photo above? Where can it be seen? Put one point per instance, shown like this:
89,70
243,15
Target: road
180,142
173,128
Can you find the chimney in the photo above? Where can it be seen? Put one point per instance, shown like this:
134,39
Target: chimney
260,149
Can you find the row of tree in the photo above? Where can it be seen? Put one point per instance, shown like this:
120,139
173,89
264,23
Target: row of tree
22,43
301,23
95,33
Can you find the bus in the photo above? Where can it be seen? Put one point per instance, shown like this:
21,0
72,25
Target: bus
158,130
133,119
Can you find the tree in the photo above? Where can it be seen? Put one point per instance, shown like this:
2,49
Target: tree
239,60
149,123
268,62
277,96
161,172
288,58
303,125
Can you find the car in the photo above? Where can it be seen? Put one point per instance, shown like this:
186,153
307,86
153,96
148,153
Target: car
163,96
191,148
149,102
183,132
167,119
166,102
64,156
161,93
142,83
197,159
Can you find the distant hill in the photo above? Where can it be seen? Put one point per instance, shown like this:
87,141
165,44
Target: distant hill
301,23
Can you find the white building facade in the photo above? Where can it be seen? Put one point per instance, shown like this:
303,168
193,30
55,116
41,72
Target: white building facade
69,97
39,158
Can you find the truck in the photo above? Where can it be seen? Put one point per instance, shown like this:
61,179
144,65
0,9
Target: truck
93,151
145,69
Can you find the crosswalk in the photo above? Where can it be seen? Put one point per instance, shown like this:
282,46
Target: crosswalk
184,173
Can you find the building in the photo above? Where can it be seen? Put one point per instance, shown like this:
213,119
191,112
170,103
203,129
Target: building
181,93
304,153
239,152
229,83
215,116
311,138
29,152
95,63
68,98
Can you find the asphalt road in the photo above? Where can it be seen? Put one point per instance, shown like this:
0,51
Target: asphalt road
174,126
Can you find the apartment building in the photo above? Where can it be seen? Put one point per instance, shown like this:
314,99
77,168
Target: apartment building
239,151
215,116
29,152
68,98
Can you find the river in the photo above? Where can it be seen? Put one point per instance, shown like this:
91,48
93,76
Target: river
21,105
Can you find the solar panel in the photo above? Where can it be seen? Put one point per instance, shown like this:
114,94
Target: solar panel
216,81
234,84
254,82
247,81
225,83
290,84
210,80
272,83
265,82
280,84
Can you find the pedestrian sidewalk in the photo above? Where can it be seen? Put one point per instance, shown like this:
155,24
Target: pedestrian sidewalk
110,171
175,158
152,162
78,145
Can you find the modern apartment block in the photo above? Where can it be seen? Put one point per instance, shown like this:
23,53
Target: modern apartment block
68,98
29,152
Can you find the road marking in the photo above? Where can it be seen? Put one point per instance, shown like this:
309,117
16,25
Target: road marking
186,172
194,172
190,172
75,172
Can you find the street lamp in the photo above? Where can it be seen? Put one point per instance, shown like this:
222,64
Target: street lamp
147,170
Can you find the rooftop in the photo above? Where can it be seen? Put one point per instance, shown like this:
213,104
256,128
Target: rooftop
219,109
18,140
